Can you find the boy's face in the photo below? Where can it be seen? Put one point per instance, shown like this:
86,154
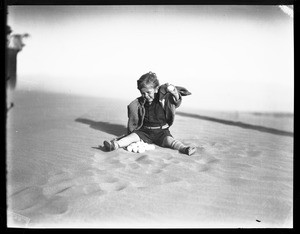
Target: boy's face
148,93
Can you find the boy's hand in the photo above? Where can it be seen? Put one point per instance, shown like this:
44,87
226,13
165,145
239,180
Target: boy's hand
171,89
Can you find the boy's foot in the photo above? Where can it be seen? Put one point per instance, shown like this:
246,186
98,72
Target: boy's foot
110,145
190,150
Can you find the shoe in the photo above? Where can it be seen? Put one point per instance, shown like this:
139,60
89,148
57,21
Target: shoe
190,150
110,145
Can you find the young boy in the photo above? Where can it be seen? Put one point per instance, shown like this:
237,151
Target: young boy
151,115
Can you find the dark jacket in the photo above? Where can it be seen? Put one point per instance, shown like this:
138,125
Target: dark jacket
136,109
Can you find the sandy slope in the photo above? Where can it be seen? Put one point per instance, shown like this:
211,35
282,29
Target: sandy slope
239,177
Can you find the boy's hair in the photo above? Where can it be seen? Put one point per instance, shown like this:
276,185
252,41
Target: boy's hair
148,79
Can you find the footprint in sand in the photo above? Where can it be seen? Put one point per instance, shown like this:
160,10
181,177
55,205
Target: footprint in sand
107,183
110,187
167,157
217,145
113,164
80,189
163,165
72,184
200,149
92,188
144,159
209,159
133,166
151,166
32,198
154,171
120,187
201,167
26,198
56,205
59,187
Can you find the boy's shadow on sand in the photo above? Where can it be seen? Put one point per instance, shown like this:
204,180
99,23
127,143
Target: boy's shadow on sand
114,129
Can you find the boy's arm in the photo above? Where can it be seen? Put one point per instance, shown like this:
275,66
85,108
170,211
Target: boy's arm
133,115
173,93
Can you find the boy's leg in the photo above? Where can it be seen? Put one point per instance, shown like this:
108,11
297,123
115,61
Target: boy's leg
170,142
123,142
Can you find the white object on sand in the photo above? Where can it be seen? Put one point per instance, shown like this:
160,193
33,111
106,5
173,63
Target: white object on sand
150,147
141,150
129,148
140,147
135,149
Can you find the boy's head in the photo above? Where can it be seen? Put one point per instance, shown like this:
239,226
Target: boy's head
148,85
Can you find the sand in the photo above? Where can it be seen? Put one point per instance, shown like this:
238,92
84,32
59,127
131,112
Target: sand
241,175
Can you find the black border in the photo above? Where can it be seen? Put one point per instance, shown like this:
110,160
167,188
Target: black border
3,13
150,2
